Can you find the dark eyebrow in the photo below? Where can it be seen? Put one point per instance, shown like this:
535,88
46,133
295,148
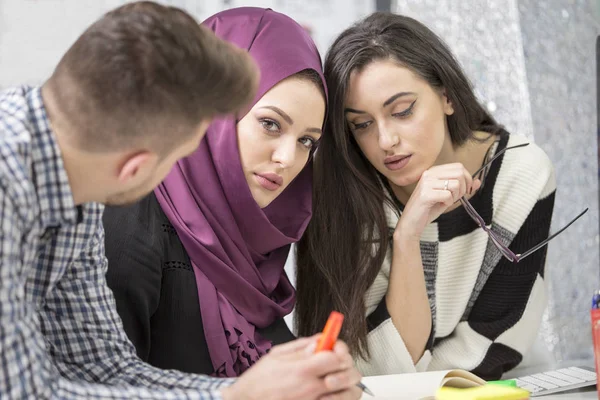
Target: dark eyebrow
289,120
352,110
385,103
281,113
396,96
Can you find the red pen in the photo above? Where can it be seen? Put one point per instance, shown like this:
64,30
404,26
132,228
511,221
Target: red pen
329,337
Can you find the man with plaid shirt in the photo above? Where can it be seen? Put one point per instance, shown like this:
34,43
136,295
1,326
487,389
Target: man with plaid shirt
95,133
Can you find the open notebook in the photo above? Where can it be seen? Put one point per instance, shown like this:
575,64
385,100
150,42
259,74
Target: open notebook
422,385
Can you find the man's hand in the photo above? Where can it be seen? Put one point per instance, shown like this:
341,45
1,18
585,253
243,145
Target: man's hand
293,371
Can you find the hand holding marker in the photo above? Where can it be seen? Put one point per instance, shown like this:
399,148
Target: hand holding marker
329,337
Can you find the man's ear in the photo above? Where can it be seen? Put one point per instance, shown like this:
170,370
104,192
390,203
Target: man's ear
135,164
447,104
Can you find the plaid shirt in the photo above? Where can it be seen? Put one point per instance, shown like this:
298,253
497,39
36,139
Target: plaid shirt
60,334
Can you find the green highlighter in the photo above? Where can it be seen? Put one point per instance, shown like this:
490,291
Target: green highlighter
508,382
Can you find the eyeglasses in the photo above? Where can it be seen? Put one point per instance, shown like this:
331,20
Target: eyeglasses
504,250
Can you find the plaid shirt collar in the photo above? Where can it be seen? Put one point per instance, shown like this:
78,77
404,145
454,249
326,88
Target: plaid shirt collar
54,193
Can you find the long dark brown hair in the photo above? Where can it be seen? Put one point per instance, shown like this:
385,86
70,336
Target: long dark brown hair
346,241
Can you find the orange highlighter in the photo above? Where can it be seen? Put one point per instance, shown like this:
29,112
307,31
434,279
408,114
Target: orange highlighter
329,337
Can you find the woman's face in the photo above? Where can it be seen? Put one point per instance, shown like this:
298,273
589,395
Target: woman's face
277,135
398,121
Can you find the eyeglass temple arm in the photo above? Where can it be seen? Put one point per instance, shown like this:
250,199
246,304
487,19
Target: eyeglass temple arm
498,155
545,242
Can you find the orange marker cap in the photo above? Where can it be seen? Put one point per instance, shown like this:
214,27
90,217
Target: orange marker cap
331,332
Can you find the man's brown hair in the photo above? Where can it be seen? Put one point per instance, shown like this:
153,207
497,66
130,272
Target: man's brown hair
148,74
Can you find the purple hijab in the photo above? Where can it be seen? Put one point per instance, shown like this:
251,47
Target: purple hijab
237,249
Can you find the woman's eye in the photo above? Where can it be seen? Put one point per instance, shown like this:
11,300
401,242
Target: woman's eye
270,125
362,125
308,142
405,113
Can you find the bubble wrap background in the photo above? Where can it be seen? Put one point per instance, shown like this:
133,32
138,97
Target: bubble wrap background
533,64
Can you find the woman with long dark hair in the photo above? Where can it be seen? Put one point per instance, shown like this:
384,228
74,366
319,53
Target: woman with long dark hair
424,211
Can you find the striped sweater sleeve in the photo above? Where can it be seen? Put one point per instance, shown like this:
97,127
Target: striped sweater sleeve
505,318
388,353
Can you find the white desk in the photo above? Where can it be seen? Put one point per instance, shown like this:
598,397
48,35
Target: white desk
589,393
389,384
575,395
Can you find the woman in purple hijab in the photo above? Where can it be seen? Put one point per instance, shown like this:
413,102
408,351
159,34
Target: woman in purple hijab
197,267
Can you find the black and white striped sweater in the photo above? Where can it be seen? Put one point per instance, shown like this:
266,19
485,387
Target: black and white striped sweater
486,310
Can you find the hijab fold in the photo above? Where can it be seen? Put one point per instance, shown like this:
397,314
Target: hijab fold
237,249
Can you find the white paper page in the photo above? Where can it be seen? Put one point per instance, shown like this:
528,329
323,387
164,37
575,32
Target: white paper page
404,386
